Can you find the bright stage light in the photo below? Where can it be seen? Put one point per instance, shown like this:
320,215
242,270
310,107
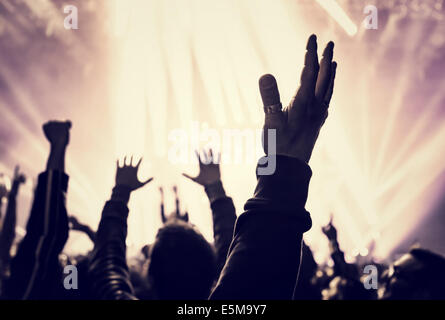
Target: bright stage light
339,15
179,61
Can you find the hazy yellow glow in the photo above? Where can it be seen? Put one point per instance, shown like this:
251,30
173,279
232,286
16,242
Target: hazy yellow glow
333,9
177,62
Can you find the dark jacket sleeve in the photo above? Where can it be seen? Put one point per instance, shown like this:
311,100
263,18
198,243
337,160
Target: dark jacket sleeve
7,234
108,269
264,256
224,217
35,268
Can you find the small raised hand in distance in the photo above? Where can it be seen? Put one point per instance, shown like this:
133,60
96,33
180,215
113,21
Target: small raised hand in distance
19,178
209,171
127,175
330,231
176,215
298,125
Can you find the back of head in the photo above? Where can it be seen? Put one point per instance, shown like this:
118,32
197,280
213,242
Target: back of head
182,263
433,268
416,275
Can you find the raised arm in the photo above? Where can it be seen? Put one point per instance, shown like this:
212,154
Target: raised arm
108,269
264,256
7,234
3,195
341,267
223,210
74,224
34,269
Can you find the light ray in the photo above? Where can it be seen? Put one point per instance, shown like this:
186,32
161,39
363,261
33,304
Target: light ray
339,15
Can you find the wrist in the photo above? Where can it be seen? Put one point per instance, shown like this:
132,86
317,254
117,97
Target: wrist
14,188
334,245
215,191
58,146
121,193
288,182
300,157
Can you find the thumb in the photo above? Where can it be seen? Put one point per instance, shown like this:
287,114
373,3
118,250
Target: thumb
147,182
271,101
189,177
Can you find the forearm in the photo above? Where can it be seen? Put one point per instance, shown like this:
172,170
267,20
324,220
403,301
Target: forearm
108,268
8,230
224,217
87,231
264,256
35,264
56,159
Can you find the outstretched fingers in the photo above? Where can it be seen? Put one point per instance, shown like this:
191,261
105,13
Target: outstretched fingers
330,90
310,71
324,76
189,177
139,163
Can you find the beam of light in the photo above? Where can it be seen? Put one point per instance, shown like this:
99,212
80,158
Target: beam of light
404,196
236,47
80,183
421,155
24,101
176,20
418,184
22,130
401,88
416,131
207,45
275,54
129,90
378,54
339,15
167,50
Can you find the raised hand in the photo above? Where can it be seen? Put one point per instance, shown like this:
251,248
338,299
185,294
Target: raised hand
58,135
75,225
57,132
298,125
127,175
19,177
209,171
330,231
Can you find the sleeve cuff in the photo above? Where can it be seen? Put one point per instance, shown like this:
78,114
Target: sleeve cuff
284,193
288,186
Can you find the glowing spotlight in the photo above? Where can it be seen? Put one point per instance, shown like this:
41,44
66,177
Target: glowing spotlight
339,15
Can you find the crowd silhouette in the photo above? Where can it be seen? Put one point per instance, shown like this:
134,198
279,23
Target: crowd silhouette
258,255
